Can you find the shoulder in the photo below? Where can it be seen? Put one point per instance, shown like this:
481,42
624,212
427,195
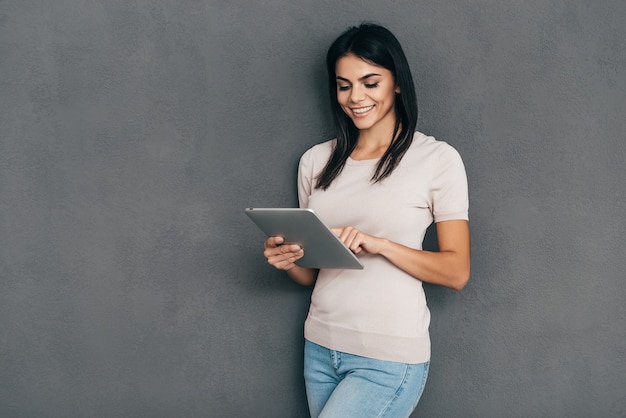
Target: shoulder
323,149
427,147
317,154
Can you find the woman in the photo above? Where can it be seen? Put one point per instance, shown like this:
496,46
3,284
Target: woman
379,184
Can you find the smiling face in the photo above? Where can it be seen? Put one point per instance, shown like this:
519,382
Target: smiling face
366,93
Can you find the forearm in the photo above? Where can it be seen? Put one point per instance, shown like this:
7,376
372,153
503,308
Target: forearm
449,267
303,276
446,268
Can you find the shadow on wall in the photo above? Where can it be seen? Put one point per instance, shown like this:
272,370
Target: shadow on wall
430,239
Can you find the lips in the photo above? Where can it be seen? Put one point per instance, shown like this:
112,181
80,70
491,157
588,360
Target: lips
362,110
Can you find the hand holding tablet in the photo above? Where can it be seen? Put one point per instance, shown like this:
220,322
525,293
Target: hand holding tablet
322,248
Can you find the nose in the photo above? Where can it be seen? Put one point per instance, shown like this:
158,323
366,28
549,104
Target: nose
357,94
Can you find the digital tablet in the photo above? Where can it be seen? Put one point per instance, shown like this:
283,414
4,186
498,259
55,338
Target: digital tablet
322,248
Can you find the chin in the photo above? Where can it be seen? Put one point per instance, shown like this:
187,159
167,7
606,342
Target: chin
361,124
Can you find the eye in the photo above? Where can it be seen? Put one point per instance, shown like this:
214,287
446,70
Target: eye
343,88
371,86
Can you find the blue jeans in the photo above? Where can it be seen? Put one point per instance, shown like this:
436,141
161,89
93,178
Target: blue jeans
341,385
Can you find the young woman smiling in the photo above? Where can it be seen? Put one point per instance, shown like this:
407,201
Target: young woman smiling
379,184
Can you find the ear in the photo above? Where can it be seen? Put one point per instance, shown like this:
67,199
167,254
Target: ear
397,89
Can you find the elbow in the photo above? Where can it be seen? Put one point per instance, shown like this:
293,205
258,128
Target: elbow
459,280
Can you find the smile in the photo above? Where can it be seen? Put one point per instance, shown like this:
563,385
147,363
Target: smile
362,110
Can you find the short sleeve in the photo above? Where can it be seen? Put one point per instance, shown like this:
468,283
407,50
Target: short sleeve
449,194
305,179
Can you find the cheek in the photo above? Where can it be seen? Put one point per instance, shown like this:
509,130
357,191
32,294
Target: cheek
342,102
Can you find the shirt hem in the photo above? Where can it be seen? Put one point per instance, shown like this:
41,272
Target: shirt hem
409,350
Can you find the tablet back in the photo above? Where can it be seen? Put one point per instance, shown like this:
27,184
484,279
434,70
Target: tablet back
322,248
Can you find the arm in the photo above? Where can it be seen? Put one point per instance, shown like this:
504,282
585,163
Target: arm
449,267
283,257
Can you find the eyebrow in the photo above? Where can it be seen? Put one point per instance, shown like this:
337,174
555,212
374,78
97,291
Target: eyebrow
360,79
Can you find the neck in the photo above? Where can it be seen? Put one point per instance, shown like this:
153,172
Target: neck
372,143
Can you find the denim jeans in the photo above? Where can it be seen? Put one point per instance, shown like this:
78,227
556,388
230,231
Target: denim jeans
341,385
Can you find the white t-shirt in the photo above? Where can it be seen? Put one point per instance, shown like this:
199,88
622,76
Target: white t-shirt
380,312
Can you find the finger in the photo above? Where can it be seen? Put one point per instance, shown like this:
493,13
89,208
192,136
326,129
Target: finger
350,237
357,239
345,233
355,242
273,241
284,252
281,251
289,248
285,261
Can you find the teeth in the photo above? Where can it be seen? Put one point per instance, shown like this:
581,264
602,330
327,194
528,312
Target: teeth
363,109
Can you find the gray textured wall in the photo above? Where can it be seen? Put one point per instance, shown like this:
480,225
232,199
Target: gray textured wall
133,134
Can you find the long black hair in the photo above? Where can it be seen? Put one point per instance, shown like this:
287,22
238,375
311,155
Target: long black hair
378,46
